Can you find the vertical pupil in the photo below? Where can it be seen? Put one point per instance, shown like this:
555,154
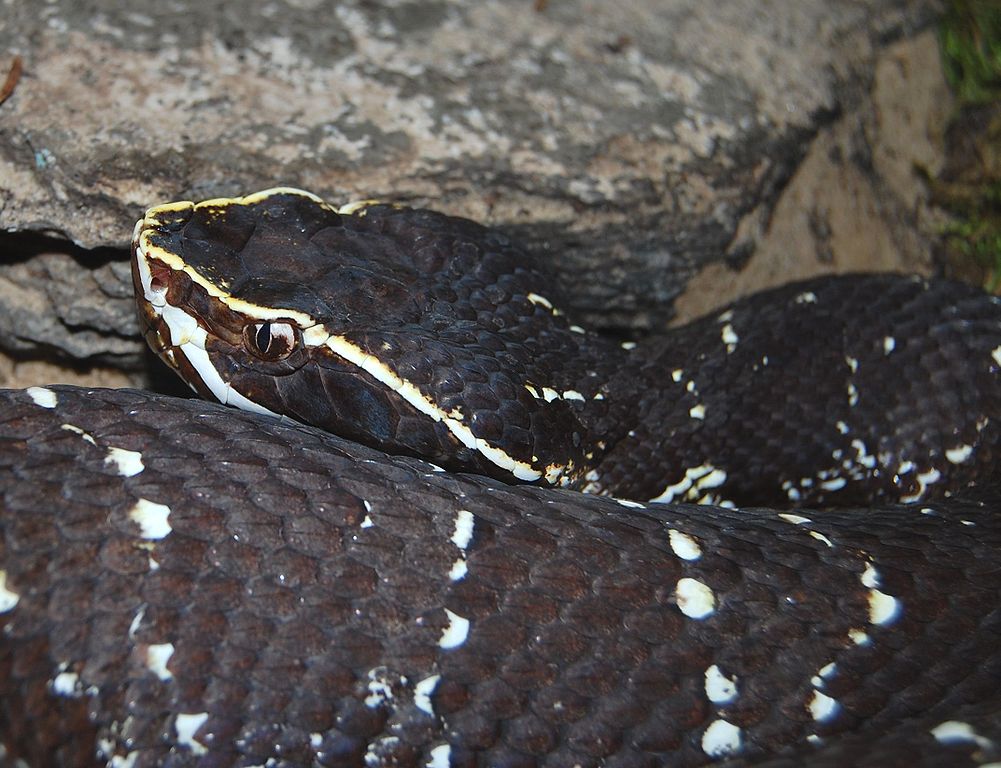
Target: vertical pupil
263,337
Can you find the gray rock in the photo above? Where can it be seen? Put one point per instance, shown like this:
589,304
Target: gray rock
631,144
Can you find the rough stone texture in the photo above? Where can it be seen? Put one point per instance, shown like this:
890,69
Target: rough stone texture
857,201
635,143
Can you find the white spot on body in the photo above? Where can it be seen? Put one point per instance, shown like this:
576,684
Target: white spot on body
455,633
629,503
834,485
683,545
157,656
458,570
852,395
823,707
42,397
66,684
8,598
152,518
117,761
807,297
996,354
858,636
627,345
794,519
729,337
726,317
186,725
720,689
695,599
924,480
463,533
883,608
696,480
852,363
889,344
441,757
423,691
842,427
953,731
721,739
76,430
128,463
959,454
549,394
541,301
572,394
676,375
697,411
821,537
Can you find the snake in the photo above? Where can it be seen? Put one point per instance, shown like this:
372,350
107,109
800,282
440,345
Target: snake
444,525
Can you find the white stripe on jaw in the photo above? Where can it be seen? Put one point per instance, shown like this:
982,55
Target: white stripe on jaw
189,338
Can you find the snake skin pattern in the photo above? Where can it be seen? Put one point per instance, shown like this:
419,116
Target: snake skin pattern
186,585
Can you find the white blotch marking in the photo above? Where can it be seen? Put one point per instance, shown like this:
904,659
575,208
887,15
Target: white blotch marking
684,546
576,329
367,521
959,454
423,691
458,570
627,345
66,683
842,427
696,480
157,656
677,375
137,620
455,633
152,518
954,731
572,394
721,739
807,297
76,430
316,740
629,503
852,363
720,689
826,672
726,317
441,757
889,344
695,599
186,725
42,397
852,395
859,636
542,301
821,537
549,394
834,485
697,411
380,687
883,608
729,337
924,480
117,761
794,519
128,463
996,354
823,707
8,598
463,533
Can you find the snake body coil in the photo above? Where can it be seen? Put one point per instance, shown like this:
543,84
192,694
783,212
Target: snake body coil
182,584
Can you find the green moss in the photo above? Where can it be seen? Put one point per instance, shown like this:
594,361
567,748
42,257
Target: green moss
970,36
970,187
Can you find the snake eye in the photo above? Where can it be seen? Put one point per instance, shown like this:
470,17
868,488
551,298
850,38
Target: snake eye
270,340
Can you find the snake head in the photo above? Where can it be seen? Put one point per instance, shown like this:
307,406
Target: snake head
404,329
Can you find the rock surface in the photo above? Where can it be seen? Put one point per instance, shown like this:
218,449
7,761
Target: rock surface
633,144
